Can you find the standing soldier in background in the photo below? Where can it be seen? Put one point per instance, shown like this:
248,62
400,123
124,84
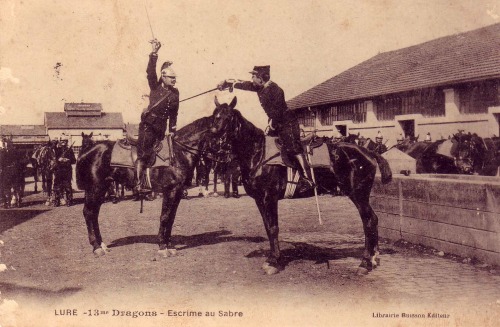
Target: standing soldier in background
64,172
282,122
163,105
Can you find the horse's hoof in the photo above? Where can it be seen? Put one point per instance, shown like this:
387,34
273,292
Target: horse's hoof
105,247
362,271
215,194
99,252
270,270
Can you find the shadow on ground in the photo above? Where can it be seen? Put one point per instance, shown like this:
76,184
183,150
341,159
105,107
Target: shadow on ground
10,290
309,252
190,241
10,218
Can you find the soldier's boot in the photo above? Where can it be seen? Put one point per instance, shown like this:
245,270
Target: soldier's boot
140,168
69,196
303,171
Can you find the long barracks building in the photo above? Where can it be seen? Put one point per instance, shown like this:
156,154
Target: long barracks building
76,118
437,87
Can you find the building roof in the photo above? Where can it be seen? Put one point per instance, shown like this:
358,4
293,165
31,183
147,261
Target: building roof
110,120
23,130
82,109
452,59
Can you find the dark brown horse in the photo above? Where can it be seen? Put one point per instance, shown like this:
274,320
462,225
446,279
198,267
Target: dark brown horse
462,153
352,167
13,165
94,175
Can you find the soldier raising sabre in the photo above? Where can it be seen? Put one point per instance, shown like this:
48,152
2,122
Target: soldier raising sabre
163,105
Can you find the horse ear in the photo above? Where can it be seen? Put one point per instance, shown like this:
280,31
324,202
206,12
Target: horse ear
83,134
233,103
217,104
91,133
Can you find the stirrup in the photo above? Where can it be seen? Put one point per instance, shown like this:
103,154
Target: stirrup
142,190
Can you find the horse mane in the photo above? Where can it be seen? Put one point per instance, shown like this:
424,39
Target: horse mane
200,125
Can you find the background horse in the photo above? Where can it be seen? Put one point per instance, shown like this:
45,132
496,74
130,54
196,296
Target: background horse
352,167
448,156
121,177
13,164
94,175
475,155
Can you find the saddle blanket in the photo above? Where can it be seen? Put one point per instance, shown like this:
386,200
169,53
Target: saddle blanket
125,155
320,157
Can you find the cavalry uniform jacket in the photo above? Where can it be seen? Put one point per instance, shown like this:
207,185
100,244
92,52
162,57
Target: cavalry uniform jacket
68,154
272,100
163,101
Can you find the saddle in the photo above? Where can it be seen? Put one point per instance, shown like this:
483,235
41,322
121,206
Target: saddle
318,153
124,153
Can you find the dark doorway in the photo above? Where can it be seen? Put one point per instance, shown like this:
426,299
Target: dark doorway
408,127
342,129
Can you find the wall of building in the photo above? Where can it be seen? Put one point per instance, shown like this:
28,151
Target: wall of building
76,135
485,125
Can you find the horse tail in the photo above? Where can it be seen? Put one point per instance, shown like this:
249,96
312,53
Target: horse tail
385,169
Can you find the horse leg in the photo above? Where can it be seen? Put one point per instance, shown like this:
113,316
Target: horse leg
370,227
91,208
269,211
35,179
215,183
170,203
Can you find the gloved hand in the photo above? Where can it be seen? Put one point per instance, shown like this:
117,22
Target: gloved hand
225,84
156,45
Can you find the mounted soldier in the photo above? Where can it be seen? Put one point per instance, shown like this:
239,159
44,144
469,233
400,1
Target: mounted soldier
63,174
379,147
163,106
282,122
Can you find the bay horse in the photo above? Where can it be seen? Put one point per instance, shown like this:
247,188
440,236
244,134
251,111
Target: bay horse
352,167
94,174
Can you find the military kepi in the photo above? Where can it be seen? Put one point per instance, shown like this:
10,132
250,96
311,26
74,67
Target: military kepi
260,70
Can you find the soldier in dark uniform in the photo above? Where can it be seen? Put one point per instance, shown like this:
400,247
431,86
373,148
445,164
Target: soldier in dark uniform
64,172
282,122
163,105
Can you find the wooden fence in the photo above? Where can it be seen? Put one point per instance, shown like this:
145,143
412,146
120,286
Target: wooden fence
456,214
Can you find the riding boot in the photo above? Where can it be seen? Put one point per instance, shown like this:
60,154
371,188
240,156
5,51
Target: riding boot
140,168
303,171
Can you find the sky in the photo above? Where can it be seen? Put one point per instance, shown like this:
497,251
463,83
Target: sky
53,52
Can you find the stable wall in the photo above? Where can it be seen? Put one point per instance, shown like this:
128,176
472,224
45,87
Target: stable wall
456,214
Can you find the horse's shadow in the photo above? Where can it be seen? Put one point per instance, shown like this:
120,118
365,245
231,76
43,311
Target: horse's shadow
297,251
309,252
190,241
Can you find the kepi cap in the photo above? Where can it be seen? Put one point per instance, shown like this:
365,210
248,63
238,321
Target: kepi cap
260,70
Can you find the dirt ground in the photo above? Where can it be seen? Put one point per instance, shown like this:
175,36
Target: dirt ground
55,280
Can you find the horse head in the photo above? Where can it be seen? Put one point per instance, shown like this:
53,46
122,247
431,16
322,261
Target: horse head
468,152
224,119
87,142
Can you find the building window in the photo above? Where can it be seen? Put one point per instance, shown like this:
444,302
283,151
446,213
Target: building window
427,102
388,108
306,118
475,98
355,111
